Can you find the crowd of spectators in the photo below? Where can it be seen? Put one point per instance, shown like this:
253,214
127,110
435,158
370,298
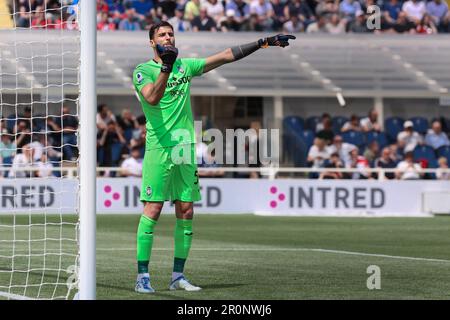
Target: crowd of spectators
290,16
406,154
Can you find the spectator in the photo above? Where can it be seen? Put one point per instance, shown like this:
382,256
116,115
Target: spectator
358,162
342,148
279,18
327,132
391,11
327,7
241,12
437,9
191,10
22,161
7,151
24,18
336,25
435,138
321,125
318,153
230,23
45,168
111,142
105,24
359,25
396,153
352,125
23,134
348,8
372,151
402,24
386,161
407,169
132,166
301,9
177,21
293,25
408,139
210,162
203,22
255,23
215,10
370,123
130,22
263,9
441,173
104,116
128,123
334,162
414,9
143,7
166,8
426,26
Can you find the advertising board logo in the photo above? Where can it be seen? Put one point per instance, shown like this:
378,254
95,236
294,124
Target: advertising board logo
115,196
280,197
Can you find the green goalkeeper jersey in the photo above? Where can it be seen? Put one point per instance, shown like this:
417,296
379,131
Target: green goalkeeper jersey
173,111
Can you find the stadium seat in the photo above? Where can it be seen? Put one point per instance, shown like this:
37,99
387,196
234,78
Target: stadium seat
308,138
421,124
380,137
354,137
293,124
338,122
444,151
393,126
312,122
425,152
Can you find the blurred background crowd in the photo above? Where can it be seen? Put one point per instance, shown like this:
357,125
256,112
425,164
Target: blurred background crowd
293,16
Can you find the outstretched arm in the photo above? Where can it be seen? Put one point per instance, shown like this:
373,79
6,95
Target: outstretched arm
239,52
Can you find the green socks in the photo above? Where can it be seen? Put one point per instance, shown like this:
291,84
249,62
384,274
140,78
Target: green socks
144,242
183,240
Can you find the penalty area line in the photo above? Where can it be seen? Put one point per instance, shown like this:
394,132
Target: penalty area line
342,252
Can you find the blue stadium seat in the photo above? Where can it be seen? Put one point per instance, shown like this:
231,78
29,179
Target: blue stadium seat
338,122
393,126
354,137
312,122
425,152
308,137
421,124
444,151
293,124
380,137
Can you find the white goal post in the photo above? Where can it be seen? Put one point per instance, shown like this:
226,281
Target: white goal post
48,128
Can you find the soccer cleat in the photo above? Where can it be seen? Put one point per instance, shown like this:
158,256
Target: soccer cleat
143,285
182,283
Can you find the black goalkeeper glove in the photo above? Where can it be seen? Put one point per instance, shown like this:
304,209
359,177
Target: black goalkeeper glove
280,40
168,55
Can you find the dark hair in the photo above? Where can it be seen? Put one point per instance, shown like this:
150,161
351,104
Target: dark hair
100,107
156,26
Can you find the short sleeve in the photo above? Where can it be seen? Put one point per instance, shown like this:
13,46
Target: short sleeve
195,65
141,77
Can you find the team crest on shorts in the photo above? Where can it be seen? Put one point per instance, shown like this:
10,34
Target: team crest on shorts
149,191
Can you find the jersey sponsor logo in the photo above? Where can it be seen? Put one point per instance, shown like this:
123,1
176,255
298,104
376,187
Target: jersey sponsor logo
182,80
180,69
139,77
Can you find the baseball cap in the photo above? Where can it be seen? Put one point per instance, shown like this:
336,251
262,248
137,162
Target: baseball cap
408,124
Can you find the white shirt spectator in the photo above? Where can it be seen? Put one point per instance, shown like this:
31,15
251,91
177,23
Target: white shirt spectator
410,141
289,27
38,150
20,161
368,125
318,155
414,9
44,169
215,11
409,170
343,151
441,175
263,9
132,166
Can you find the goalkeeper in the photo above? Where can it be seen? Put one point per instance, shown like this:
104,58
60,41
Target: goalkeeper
163,85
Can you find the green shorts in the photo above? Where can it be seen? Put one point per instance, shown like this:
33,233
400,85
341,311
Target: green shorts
168,176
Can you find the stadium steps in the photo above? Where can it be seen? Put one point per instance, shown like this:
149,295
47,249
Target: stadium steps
5,16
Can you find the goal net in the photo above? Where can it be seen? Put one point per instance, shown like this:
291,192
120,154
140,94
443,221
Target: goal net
39,117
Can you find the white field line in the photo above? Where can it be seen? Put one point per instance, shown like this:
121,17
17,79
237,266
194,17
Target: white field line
290,249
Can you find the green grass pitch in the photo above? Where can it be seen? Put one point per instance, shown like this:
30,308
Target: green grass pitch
256,257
